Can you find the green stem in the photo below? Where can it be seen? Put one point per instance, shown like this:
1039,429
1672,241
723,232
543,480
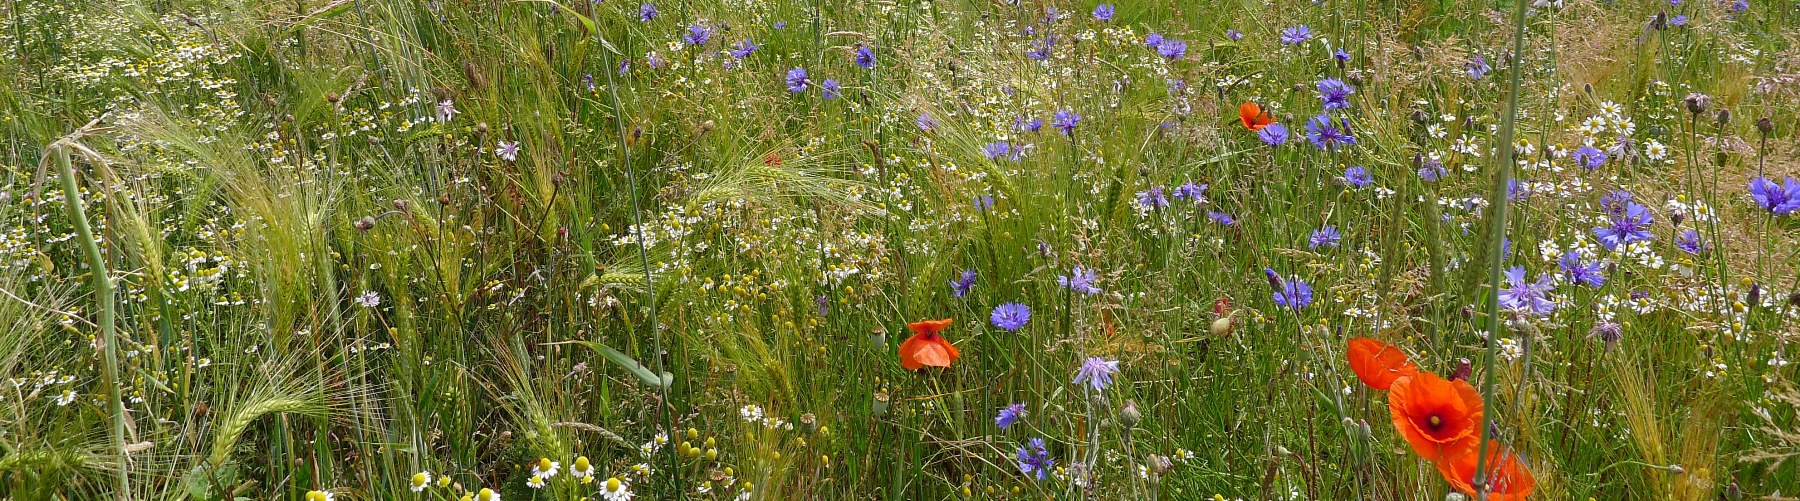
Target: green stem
1497,235
103,294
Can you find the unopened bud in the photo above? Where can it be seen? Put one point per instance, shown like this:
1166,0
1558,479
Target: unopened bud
1221,326
365,224
1765,126
1697,103
1130,416
1724,116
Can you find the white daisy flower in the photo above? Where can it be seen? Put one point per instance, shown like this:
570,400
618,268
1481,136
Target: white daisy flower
615,490
420,481
544,467
582,469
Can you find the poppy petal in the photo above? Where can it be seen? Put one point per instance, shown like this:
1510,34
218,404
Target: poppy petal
1378,364
1437,417
929,326
1508,479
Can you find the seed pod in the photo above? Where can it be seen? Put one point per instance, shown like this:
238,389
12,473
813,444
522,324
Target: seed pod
880,406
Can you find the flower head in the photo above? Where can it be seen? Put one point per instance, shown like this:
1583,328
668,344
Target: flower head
829,88
1590,157
925,122
615,489
1255,117
1438,417
1630,226
507,150
1103,12
1378,364
1335,94
963,283
697,35
927,347
420,481
1357,177
1010,316
1296,35
1289,292
544,467
646,12
1009,415
1777,200
1273,135
865,57
1527,297
796,80
743,49
1576,272
1324,237
1689,242
1172,49
1507,478
583,468
1234,35
1066,121
1152,198
1329,134
1097,373
1191,192
319,496
1034,459
1477,67
1079,280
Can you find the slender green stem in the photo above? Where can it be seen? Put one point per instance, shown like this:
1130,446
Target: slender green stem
1497,235
103,294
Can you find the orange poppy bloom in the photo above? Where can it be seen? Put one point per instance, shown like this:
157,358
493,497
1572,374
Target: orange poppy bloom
1507,478
926,347
1378,364
1440,418
1253,116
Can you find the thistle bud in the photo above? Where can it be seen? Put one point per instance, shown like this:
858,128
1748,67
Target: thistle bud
1130,416
1765,126
365,224
1661,21
1607,332
333,97
1697,103
401,204
1724,116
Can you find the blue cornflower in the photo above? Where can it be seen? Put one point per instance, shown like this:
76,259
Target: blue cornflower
1477,67
1009,415
796,80
1273,134
1689,242
1221,218
1777,200
865,57
1023,124
925,122
1528,297
743,49
1103,12
1172,49
1296,35
960,287
1010,317
1335,93
983,202
1326,134
646,12
829,87
1152,198
1614,202
778,25
1079,280
1631,226
1291,292
1189,191
1234,35
1324,237
1341,55
1589,157
1153,40
996,149
697,35
1679,21
1579,273
1431,171
1065,120
1097,373
1034,459
1357,177
1740,6
1040,50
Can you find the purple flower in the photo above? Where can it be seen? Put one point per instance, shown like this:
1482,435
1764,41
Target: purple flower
1103,12
996,149
1153,40
1010,317
1680,21
1357,177
796,80
1589,157
1631,226
1341,56
1335,93
697,35
1579,273
1191,192
1079,280
1065,120
1034,459
1023,124
1296,35
1152,198
925,122
1273,134
829,87
1097,373
646,12
743,49
1324,237
983,202
1614,202
1009,415
1477,67
865,57
1777,200
1040,50
1172,49
1740,6
1222,218
1328,134
1528,297
1689,242
960,287
1234,35
778,24
1291,292
1432,171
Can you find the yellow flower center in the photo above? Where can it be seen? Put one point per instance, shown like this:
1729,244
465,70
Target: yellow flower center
486,494
581,463
613,485
543,464
420,478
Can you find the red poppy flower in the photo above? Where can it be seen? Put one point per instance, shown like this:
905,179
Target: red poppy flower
1253,116
1507,478
1438,417
926,347
1378,364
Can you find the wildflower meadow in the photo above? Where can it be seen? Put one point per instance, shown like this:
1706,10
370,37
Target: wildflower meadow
618,250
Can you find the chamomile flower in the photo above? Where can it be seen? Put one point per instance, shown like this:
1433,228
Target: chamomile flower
582,469
420,481
615,490
535,482
319,496
487,494
544,467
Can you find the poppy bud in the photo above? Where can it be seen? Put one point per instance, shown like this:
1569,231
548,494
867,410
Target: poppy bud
1765,126
1221,326
559,178
1130,416
1274,279
1697,103
1676,218
1724,116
